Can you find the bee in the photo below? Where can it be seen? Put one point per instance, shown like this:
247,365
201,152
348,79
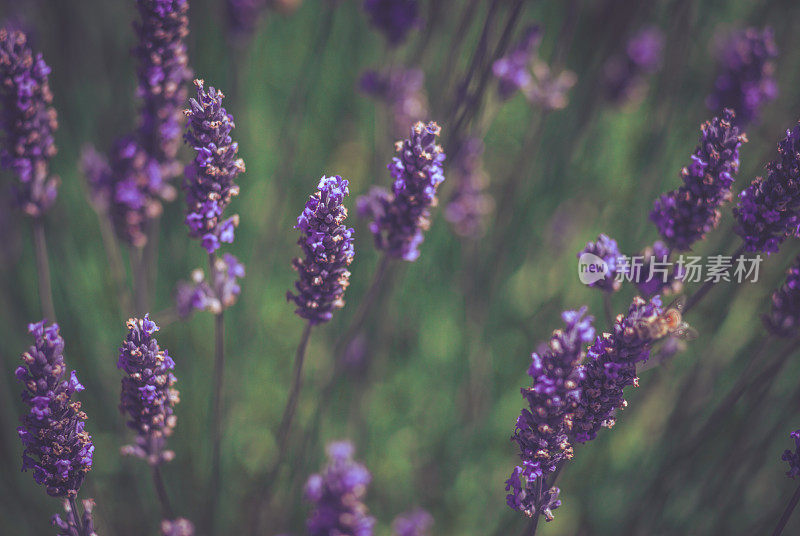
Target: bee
669,323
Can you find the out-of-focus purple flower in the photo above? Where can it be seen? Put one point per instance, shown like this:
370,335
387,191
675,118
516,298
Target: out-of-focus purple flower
68,525
400,218
414,523
198,295
327,244
746,79
209,182
470,202
611,366
542,429
549,89
57,447
162,73
129,187
402,90
337,494
624,74
769,209
685,215
147,396
393,18
793,458
606,250
783,318
654,274
243,16
177,527
513,70
27,122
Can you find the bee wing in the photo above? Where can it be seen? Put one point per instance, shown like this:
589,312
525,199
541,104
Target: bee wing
678,303
686,332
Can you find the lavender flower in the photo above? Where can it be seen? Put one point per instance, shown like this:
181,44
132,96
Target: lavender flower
162,73
328,247
655,274
525,498
147,395
549,90
57,447
470,203
746,80
199,295
624,74
783,319
129,188
541,432
27,121
209,181
68,525
337,494
513,70
177,527
403,90
611,366
685,215
414,523
606,250
793,457
769,209
393,18
400,218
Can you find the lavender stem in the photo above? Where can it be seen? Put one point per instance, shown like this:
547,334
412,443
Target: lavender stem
73,504
161,492
43,270
787,513
216,411
140,280
294,394
607,308
695,298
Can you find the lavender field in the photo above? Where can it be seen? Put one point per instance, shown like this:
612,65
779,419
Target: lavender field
399,267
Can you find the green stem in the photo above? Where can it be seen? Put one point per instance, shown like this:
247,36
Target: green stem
43,270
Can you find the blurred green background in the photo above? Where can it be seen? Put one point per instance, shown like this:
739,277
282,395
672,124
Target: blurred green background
450,338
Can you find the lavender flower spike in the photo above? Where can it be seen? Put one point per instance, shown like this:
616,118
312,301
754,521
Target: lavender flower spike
769,209
68,525
394,18
685,215
415,523
400,218
57,447
783,319
162,73
147,395
209,181
541,431
471,202
338,494
27,121
747,74
328,247
606,250
624,74
793,457
611,366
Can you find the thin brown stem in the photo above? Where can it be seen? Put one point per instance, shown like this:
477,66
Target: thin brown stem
161,493
43,270
216,409
76,515
787,513
115,263
297,384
